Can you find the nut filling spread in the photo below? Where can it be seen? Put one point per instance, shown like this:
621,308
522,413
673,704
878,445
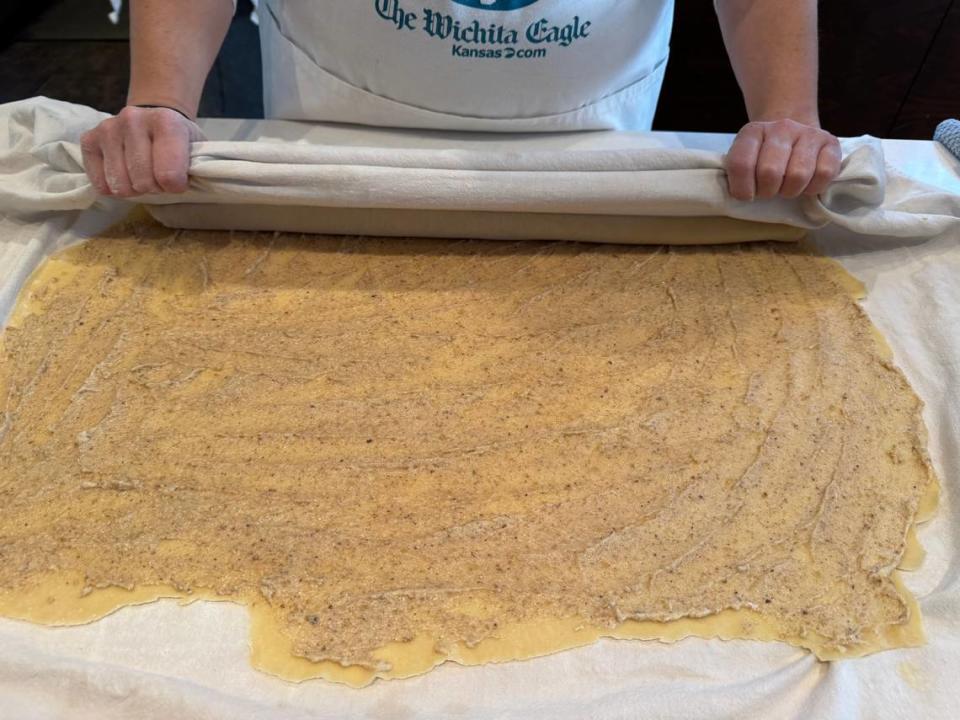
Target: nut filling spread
398,452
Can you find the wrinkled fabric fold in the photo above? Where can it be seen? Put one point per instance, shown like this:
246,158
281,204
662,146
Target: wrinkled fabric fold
41,170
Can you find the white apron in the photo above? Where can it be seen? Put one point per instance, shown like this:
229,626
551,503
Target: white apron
488,65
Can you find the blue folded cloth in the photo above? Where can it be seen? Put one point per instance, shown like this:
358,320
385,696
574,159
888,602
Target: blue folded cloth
948,133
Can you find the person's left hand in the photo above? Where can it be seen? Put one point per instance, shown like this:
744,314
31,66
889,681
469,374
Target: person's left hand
782,157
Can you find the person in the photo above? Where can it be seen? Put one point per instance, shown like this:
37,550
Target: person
475,65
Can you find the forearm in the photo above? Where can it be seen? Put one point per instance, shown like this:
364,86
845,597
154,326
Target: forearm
773,48
173,44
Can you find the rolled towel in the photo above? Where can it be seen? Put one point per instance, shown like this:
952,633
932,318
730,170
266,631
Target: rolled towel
948,133
626,175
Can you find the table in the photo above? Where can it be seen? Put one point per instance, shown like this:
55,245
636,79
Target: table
163,660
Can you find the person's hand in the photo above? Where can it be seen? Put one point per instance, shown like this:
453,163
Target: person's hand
784,158
141,150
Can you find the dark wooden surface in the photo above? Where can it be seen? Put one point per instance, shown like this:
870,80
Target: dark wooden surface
872,53
14,16
82,71
935,93
889,68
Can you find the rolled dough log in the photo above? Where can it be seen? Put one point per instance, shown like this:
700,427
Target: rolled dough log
620,229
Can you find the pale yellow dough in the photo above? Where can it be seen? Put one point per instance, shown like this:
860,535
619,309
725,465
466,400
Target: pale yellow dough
402,452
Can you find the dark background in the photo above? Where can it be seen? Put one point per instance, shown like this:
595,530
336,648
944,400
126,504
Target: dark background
889,68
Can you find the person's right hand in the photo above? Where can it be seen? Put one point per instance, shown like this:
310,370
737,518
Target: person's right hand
141,150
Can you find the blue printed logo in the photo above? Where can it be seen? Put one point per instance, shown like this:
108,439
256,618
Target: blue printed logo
501,5
484,39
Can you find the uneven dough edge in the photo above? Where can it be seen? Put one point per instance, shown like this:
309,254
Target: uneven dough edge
61,600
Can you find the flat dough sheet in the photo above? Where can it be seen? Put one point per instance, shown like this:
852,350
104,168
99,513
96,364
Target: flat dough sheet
398,452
